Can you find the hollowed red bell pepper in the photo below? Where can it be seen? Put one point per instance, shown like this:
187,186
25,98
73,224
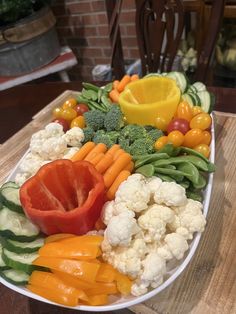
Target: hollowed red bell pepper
64,196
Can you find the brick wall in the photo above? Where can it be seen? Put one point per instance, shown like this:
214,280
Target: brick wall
82,24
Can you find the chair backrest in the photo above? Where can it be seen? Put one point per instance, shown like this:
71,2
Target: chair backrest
159,28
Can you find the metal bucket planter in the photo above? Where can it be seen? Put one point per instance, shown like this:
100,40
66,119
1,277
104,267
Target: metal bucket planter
29,44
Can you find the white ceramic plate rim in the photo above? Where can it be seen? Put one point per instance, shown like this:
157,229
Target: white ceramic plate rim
126,302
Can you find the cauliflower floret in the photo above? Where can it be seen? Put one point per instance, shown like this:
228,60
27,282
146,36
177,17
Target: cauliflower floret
111,208
126,260
153,184
121,228
154,268
52,148
170,194
154,221
133,193
31,163
188,219
70,152
174,245
74,137
54,129
21,177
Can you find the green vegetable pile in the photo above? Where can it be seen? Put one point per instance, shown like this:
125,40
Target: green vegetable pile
183,165
109,128
96,98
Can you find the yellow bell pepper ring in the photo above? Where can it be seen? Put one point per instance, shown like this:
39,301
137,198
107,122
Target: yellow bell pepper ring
150,100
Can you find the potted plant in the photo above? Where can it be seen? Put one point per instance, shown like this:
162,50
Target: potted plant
28,39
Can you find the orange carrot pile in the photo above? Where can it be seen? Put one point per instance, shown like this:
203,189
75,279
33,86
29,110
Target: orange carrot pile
78,274
114,164
119,86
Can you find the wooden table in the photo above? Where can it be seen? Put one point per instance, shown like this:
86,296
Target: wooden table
208,285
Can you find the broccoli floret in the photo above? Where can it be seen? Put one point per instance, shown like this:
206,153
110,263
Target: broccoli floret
102,137
124,144
149,127
88,134
114,135
133,132
114,119
142,146
154,134
94,119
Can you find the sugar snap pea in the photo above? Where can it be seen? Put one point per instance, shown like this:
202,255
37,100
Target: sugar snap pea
146,159
105,101
201,182
108,87
177,175
146,170
140,157
170,150
82,99
90,86
196,196
164,177
99,94
169,167
210,165
189,171
95,105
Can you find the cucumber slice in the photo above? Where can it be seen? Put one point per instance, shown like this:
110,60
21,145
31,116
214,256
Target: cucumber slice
196,99
207,101
16,226
189,99
192,89
181,80
199,86
22,262
23,247
10,184
11,199
3,265
16,277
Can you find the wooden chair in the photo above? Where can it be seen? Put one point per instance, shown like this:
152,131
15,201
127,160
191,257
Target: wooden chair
159,27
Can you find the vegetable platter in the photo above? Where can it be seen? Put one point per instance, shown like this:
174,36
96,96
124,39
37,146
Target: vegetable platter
129,288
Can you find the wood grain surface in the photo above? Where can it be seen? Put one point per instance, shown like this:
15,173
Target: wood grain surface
208,285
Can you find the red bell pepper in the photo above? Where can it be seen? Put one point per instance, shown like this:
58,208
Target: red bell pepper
64,197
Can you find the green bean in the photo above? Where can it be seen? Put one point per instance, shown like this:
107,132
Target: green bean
146,170
90,86
189,171
146,159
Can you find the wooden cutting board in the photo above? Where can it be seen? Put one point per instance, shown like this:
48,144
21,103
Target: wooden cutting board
208,284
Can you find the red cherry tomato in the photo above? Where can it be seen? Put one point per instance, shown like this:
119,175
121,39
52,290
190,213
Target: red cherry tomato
184,111
181,125
81,109
176,138
203,149
192,138
62,122
201,121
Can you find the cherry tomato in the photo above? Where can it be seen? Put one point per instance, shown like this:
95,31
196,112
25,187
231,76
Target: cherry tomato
181,125
162,141
176,138
160,123
203,149
68,114
206,137
201,121
192,138
81,109
62,122
78,121
196,110
57,112
70,103
184,111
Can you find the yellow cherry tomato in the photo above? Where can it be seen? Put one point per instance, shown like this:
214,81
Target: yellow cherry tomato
196,110
203,149
70,103
162,141
176,138
184,111
57,112
161,123
201,121
192,138
78,121
68,114
206,137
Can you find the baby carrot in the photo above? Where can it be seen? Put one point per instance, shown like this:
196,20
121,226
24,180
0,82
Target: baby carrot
114,148
99,148
134,77
123,82
83,152
130,166
104,163
123,175
113,171
97,159
114,95
118,153
115,84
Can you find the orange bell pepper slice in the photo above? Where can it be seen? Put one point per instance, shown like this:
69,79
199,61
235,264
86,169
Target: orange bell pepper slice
50,282
86,240
81,251
106,273
81,269
58,237
99,299
73,281
123,283
102,288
